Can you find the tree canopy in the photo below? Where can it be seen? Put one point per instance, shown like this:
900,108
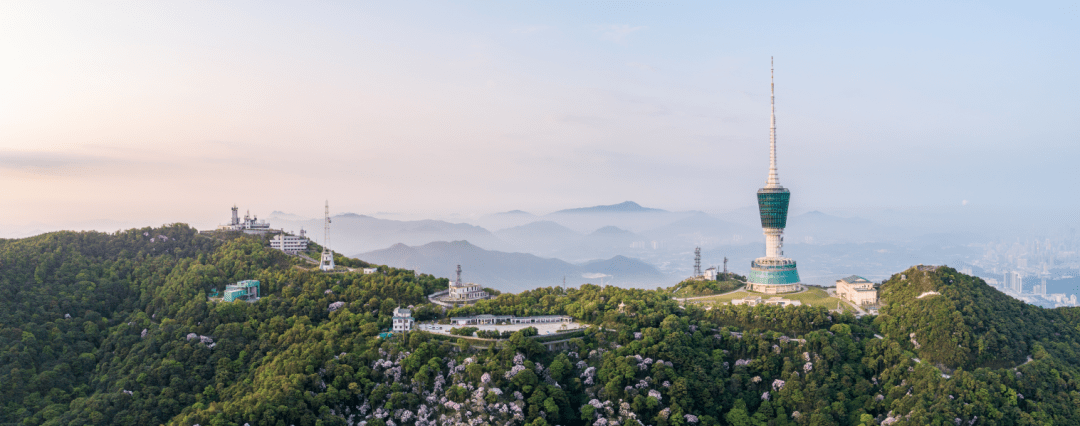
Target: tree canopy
117,328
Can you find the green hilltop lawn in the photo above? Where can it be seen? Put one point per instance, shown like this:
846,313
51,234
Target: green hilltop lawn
812,296
116,329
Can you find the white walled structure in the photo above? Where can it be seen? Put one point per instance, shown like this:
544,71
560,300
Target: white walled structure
250,224
402,320
291,244
857,290
464,292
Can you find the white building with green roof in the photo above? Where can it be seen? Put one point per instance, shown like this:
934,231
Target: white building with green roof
857,290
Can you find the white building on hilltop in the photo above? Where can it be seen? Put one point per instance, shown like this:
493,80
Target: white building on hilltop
465,292
402,320
758,300
857,290
291,244
250,224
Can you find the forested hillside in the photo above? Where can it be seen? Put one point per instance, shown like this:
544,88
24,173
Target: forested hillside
116,329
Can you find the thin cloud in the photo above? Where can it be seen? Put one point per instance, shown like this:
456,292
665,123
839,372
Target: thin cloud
530,29
641,66
617,33
47,163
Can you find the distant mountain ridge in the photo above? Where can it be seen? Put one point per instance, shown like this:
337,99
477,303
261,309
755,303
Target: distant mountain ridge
354,233
611,230
623,207
512,271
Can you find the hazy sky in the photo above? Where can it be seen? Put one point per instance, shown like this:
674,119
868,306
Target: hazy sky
159,112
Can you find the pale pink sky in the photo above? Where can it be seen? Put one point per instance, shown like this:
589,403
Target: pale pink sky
150,112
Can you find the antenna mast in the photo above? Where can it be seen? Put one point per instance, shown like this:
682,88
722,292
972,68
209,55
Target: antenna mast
327,261
697,261
774,179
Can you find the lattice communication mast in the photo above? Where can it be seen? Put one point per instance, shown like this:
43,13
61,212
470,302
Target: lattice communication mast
327,261
697,261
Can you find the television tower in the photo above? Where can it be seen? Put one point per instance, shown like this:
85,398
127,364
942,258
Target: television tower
773,273
327,262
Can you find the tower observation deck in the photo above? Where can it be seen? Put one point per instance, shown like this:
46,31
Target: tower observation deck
773,273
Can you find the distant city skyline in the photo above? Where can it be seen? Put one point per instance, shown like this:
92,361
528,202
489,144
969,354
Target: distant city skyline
143,113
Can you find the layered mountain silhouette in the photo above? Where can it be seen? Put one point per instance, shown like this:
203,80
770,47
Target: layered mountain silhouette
506,219
824,228
627,215
623,207
828,247
704,229
513,271
543,237
354,233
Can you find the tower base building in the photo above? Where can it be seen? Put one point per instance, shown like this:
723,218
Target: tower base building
773,276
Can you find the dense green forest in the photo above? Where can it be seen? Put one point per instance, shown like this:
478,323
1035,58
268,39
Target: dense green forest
116,328
698,287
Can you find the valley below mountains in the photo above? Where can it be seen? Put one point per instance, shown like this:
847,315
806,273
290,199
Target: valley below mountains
514,272
567,242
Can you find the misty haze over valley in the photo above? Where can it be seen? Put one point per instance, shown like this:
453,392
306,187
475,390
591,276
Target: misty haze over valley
630,245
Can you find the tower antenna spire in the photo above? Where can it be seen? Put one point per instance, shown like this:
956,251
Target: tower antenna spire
774,180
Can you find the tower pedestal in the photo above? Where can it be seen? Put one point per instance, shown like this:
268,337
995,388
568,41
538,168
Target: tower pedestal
772,275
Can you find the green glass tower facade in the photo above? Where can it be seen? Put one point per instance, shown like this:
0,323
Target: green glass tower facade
772,205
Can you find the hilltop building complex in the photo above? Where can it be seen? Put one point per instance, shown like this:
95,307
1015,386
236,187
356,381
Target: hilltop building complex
857,290
465,292
487,319
247,290
459,293
250,224
773,273
291,244
773,301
